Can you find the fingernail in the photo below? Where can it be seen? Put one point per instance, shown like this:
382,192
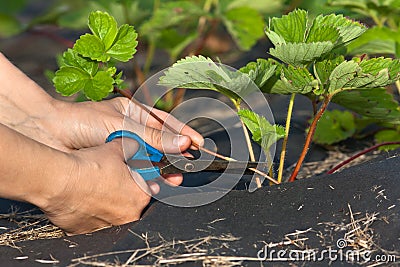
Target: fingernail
179,140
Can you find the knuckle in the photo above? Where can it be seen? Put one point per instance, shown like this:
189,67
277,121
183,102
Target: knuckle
155,137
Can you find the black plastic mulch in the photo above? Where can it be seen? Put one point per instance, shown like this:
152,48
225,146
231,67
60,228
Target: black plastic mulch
245,222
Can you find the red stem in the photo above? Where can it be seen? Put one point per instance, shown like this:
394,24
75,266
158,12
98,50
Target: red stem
365,151
53,37
309,138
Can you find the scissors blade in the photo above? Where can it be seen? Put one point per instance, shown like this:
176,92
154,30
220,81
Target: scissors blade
185,165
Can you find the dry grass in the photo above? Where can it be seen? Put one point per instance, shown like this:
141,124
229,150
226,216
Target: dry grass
333,158
167,252
359,237
29,226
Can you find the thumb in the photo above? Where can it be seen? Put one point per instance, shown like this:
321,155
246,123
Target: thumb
166,141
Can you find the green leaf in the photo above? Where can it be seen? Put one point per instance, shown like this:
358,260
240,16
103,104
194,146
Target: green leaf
70,80
334,126
9,26
294,80
177,14
263,6
292,27
174,41
12,7
297,44
73,59
300,54
99,86
91,46
374,66
377,8
343,74
390,135
322,33
375,103
245,25
107,41
124,46
198,72
376,72
376,40
104,27
324,68
348,29
260,71
263,132
193,72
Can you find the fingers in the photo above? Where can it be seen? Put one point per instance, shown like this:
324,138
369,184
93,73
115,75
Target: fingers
173,179
138,114
161,140
126,148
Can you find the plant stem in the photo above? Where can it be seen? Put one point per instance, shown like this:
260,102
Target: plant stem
124,93
379,22
398,86
309,137
365,151
161,121
52,36
285,139
141,82
248,142
149,58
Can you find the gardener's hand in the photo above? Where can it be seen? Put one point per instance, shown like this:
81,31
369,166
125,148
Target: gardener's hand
87,124
81,191
80,125
98,191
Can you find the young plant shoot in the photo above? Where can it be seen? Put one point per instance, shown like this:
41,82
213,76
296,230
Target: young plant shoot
90,65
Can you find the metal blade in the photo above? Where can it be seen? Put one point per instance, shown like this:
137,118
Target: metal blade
185,165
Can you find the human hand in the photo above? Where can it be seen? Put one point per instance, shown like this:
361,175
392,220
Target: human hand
87,124
80,191
79,125
97,191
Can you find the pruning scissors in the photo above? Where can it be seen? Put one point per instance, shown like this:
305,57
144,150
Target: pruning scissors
171,164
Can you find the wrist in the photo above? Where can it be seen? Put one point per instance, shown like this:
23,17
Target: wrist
53,182
31,171
21,99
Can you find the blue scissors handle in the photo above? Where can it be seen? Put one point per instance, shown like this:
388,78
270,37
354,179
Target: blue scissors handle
145,152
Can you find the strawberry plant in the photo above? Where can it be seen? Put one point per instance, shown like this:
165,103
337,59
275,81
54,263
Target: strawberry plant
381,39
90,65
308,60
